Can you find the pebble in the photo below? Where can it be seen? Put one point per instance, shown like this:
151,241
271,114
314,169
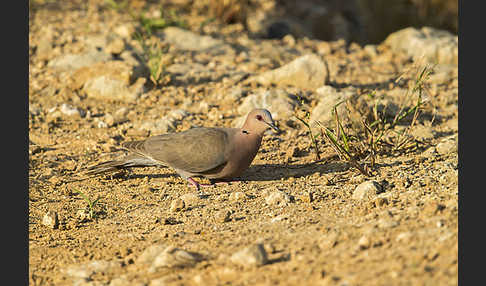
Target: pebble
329,240
174,257
237,197
277,197
447,146
70,110
367,190
51,220
190,199
254,255
404,237
84,271
223,216
177,205
364,242
149,254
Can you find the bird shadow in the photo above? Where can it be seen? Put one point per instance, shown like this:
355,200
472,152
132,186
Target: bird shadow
270,172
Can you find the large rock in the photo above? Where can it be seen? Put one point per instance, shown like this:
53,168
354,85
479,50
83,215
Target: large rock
187,40
279,102
306,72
72,62
116,70
323,113
435,46
104,87
108,80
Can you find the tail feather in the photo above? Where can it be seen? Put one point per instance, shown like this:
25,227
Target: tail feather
114,165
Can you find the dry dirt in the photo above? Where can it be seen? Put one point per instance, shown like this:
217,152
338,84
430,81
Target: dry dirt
407,235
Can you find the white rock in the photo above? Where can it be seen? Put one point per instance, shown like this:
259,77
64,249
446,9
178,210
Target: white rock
187,40
237,197
433,45
104,87
71,62
51,220
277,197
279,102
367,190
306,72
364,242
70,110
149,254
254,255
174,257
177,205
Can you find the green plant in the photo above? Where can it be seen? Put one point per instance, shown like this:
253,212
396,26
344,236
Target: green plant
90,208
155,56
305,120
374,137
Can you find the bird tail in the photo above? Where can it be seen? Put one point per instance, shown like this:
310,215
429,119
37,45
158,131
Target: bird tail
114,165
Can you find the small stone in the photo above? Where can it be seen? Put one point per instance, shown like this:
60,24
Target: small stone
367,190
387,223
447,147
177,205
223,216
254,255
404,237
175,257
190,199
115,47
70,110
109,120
171,221
82,215
237,197
277,197
51,220
329,241
364,242
149,254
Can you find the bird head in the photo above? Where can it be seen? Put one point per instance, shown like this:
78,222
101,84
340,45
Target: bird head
258,121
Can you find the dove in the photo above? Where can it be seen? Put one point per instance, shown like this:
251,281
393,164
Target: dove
216,153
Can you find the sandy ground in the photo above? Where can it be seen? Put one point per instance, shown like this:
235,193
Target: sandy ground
317,231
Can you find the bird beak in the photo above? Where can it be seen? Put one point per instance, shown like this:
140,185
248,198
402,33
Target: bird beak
273,126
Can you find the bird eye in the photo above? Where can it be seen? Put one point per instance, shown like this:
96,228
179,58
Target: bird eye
259,117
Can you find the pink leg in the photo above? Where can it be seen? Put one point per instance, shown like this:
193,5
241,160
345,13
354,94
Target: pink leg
194,183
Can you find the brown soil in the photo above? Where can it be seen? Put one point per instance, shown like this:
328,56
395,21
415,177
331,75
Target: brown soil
405,236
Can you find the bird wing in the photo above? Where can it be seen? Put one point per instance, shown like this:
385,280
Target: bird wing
196,150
